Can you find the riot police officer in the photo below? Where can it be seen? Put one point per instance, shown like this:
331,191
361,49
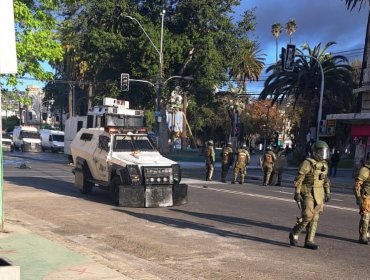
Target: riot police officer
240,167
227,160
361,189
312,188
268,160
210,160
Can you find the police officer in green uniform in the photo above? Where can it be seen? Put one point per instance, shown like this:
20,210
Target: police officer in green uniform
312,188
361,190
268,161
210,160
227,160
242,160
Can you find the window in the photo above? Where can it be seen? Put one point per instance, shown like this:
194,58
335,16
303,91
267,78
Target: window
86,136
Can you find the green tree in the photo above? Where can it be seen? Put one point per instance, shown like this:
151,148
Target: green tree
36,42
199,40
353,3
304,82
291,27
276,29
247,64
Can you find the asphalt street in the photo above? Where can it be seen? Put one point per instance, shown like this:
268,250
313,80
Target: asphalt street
225,231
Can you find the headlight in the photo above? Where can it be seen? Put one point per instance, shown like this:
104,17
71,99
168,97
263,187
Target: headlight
134,172
176,171
158,175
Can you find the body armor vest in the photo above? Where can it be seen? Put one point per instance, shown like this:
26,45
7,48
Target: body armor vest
366,184
315,178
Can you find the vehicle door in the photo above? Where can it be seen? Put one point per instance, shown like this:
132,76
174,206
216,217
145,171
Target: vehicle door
100,157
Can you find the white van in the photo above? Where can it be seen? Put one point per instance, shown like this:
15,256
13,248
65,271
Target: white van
52,140
26,139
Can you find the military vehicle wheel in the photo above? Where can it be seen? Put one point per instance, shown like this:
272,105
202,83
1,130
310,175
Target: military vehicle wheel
114,189
81,177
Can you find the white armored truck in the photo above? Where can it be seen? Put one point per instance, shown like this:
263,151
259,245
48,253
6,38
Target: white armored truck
114,155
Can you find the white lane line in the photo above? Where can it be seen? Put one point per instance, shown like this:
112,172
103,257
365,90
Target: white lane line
41,176
268,197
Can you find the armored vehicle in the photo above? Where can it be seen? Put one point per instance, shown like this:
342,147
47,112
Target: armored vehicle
117,155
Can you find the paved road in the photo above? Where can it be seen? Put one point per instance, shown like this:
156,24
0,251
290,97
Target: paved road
225,232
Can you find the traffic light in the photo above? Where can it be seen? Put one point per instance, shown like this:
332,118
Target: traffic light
288,56
125,82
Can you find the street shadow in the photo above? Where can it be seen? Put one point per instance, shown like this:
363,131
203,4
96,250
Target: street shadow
59,187
248,222
185,224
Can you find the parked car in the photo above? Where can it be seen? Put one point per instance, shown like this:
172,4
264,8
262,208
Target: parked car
7,143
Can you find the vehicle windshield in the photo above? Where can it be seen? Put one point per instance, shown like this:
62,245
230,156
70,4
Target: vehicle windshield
30,134
128,143
58,138
6,136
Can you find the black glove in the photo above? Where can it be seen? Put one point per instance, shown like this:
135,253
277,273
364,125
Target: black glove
359,200
298,197
327,197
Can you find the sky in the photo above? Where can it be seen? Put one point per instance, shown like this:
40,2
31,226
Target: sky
318,21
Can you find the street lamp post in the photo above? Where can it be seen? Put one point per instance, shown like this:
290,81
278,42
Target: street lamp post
162,129
319,112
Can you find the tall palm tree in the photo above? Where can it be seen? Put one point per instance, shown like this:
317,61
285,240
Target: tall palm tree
353,3
248,63
303,83
291,27
276,29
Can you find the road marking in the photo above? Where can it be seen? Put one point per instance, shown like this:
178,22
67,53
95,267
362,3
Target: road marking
268,197
41,176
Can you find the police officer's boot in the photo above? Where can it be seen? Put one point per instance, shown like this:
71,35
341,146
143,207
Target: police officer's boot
297,229
210,175
310,235
241,179
364,226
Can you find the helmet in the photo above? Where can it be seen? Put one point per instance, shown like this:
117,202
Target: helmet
229,144
320,150
210,143
243,146
268,148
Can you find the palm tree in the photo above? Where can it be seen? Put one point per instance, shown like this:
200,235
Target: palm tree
248,63
276,29
303,83
353,3
291,27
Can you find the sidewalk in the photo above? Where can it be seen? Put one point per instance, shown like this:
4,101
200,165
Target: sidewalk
41,258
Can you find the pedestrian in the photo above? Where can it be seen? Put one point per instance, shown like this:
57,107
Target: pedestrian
279,166
361,189
241,162
210,160
267,163
312,188
334,161
227,160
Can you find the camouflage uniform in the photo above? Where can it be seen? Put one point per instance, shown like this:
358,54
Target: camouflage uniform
361,190
227,160
268,160
279,166
210,160
312,188
242,160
